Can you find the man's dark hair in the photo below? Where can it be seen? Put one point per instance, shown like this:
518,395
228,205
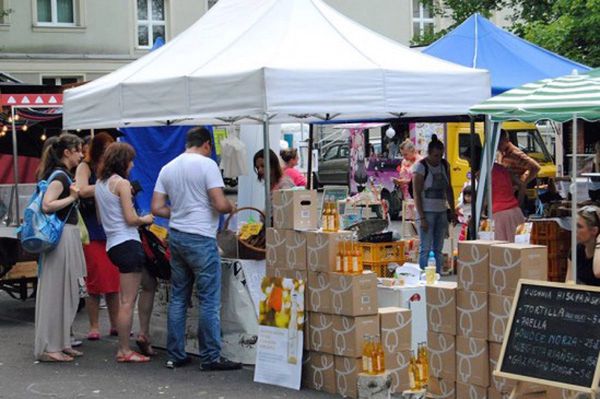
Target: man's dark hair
197,136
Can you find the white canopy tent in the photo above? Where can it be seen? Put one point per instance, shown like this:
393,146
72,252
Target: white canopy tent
260,61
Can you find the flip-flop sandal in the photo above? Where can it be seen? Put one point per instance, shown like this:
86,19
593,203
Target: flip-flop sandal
47,358
133,357
72,352
145,347
114,333
93,336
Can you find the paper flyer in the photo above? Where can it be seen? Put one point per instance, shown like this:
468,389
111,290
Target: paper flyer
280,338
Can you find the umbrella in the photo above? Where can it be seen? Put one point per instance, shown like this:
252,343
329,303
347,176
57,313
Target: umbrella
566,98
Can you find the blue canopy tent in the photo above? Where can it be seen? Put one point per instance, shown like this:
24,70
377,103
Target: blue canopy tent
511,61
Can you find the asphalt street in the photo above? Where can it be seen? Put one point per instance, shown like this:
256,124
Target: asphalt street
97,375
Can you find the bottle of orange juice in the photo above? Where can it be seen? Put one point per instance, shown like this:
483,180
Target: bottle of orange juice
379,356
425,361
347,261
353,257
413,373
325,216
339,258
359,257
420,367
367,361
331,216
335,215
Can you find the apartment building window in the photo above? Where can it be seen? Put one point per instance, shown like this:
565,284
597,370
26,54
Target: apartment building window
55,12
60,80
150,22
423,22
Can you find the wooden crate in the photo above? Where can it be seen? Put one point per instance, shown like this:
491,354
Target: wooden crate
383,251
379,268
557,269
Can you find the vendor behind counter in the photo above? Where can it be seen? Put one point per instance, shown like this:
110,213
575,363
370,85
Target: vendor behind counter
588,247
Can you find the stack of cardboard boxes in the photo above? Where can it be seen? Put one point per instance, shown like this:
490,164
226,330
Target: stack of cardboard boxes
467,321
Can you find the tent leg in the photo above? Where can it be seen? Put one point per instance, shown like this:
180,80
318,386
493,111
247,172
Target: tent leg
489,134
309,177
17,218
267,158
474,219
574,200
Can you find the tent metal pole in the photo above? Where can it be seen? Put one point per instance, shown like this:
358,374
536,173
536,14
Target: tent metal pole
475,218
309,177
267,168
15,166
489,134
574,200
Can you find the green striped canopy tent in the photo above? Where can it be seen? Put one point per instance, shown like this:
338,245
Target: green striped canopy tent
567,98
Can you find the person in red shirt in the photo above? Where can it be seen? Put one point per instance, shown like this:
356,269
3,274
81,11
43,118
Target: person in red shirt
505,205
290,158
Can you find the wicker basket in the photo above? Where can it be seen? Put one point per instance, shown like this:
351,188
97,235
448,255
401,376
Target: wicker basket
233,247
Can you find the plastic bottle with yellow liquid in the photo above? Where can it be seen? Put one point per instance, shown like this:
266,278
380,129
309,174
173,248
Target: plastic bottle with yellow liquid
347,261
420,368
335,215
325,216
331,216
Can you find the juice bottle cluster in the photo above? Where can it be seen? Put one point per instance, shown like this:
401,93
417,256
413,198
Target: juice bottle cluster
330,218
349,258
419,368
373,358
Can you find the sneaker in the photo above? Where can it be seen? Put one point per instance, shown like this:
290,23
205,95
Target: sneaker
174,364
222,365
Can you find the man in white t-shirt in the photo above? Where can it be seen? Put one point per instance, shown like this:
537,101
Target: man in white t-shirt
189,192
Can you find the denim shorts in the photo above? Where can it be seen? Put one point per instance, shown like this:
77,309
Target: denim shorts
129,257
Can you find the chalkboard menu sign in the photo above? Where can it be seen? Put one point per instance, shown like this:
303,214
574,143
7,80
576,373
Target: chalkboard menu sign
553,336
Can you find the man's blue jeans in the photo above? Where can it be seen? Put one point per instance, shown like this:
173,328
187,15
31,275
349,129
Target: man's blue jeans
433,239
194,259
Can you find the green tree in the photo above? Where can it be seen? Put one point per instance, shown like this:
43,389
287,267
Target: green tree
571,29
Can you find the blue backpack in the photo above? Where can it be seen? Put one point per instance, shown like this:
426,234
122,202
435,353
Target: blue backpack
40,232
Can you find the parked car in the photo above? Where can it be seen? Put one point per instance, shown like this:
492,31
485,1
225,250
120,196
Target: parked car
334,165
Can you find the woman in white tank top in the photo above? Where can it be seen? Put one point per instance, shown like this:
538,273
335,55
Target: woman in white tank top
120,222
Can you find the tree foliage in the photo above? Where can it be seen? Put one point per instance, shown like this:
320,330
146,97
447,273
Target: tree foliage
568,27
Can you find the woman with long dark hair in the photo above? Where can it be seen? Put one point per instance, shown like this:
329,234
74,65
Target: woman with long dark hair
279,180
63,268
120,221
102,275
434,201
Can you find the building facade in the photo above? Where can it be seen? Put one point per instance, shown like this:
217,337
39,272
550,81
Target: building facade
65,41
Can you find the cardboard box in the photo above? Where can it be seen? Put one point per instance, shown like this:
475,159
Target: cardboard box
319,372
499,313
346,376
306,332
295,209
442,356
558,393
502,385
322,249
473,264
511,262
295,249
441,308
493,393
442,389
465,391
472,361
349,334
321,332
396,329
472,314
354,295
275,256
398,364
319,293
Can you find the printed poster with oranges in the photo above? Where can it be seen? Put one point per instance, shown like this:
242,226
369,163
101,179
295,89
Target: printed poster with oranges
280,337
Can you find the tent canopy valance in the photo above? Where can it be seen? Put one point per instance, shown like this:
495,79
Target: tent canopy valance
247,61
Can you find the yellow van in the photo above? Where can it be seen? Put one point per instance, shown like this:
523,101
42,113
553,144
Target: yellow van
524,135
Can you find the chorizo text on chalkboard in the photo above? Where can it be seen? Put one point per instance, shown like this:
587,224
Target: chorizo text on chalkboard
554,335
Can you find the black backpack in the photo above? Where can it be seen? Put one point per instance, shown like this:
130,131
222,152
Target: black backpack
157,252
426,166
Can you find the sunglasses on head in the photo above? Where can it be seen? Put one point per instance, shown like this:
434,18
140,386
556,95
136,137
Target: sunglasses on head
592,211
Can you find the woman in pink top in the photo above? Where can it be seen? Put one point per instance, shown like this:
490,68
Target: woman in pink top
410,156
290,158
505,205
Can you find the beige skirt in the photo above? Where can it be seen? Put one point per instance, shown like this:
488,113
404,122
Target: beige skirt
506,223
58,293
